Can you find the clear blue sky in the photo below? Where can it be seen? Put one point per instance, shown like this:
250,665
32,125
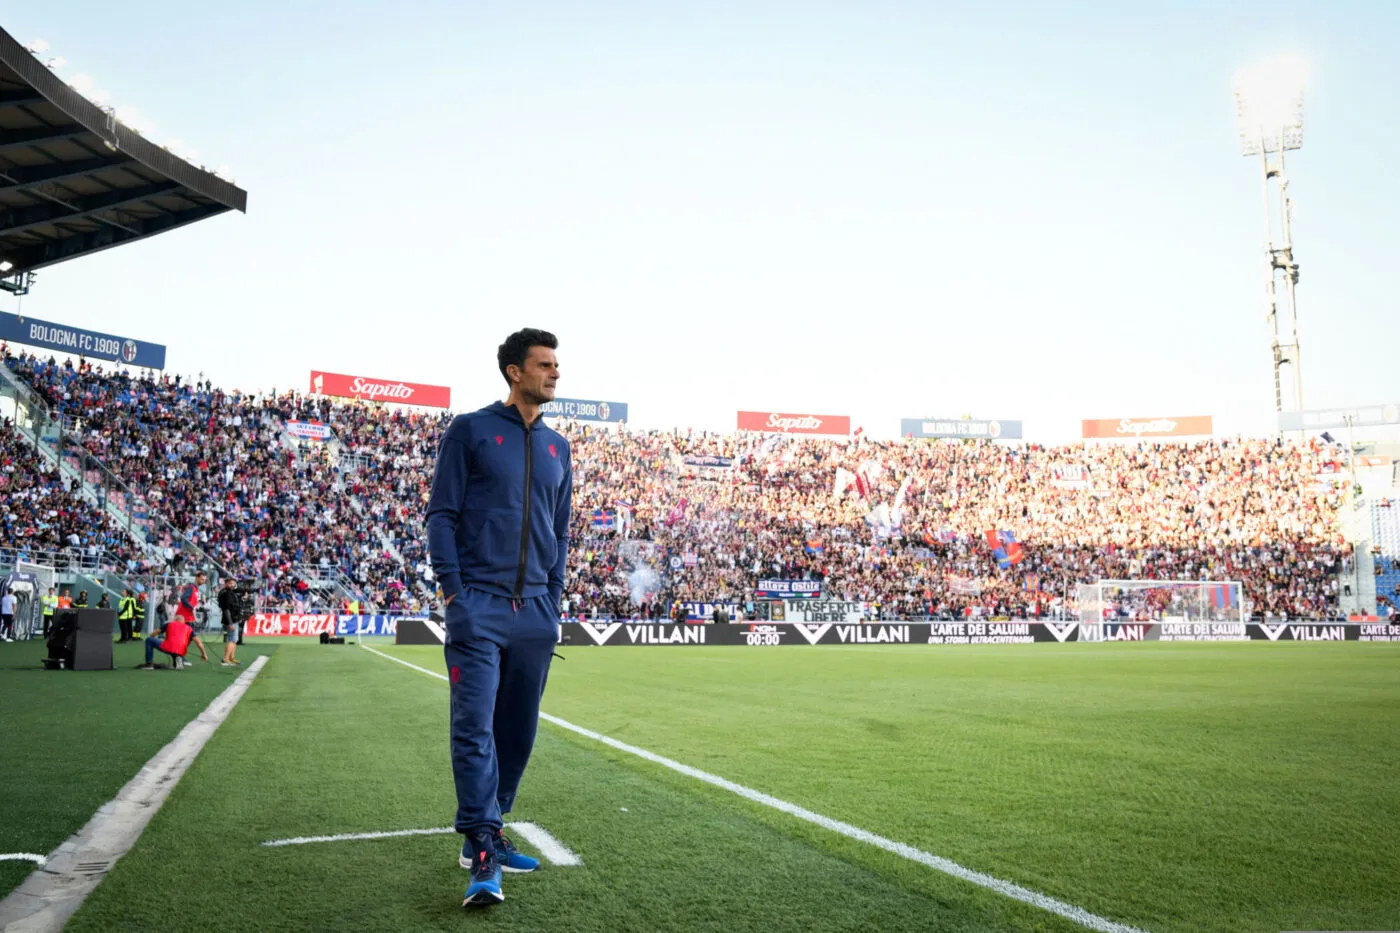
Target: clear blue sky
879,209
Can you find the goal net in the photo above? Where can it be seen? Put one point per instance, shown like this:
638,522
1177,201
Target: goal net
29,583
1163,601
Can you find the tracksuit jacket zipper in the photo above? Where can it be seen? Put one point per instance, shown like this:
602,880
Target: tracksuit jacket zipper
525,522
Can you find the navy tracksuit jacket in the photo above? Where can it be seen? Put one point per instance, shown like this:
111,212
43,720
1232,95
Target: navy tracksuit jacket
498,534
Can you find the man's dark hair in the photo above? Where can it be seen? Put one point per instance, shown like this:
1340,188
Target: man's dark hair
517,347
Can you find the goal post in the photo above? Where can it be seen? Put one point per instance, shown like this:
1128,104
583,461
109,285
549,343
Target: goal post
1195,601
29,597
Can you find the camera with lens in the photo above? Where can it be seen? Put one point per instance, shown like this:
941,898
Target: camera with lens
242,595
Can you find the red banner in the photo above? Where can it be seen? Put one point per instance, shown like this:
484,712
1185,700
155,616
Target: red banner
290,623
779,422
380,390
1181,426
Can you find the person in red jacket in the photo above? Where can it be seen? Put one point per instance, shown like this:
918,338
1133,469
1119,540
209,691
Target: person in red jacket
189,598
187,609
173,639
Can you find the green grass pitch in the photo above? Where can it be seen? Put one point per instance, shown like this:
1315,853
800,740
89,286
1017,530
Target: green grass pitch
70,740
1173,787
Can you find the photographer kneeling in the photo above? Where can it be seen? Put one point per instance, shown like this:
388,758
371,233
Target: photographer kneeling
173,639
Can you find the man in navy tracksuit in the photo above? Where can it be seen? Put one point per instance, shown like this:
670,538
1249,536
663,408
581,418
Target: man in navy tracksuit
498,533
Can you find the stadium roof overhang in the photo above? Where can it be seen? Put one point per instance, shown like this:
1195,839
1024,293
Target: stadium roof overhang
74,180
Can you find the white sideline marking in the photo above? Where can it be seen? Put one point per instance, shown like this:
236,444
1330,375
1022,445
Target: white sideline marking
344,837
49,897
554,851
1014,891
24,857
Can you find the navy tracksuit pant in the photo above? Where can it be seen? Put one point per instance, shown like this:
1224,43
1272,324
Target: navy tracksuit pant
498,652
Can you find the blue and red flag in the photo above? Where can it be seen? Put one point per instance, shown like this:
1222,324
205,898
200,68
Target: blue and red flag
604,519
1223,597
1005,548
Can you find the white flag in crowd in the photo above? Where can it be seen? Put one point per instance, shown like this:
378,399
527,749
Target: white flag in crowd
845,479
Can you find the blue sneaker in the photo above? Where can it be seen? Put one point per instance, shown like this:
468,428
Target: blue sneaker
485,889
511,859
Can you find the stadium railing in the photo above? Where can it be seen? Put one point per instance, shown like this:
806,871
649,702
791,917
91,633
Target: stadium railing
75,560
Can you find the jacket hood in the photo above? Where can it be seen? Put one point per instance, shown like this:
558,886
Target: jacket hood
509,412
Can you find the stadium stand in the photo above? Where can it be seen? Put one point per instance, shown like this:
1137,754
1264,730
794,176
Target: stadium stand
1385,549
43,520
662,517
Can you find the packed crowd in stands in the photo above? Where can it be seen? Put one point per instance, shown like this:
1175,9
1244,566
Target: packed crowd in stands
1247,510
215,465
668,517
42,519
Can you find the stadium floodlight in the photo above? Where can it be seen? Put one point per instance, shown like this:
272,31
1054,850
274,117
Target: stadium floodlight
1269,104
6,265
1269,107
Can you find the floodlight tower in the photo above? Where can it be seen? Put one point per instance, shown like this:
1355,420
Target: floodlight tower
1269,103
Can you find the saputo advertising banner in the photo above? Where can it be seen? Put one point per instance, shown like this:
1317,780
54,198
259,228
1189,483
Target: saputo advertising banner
1179,426
380,390
782,423
986,429
93,345
585,409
